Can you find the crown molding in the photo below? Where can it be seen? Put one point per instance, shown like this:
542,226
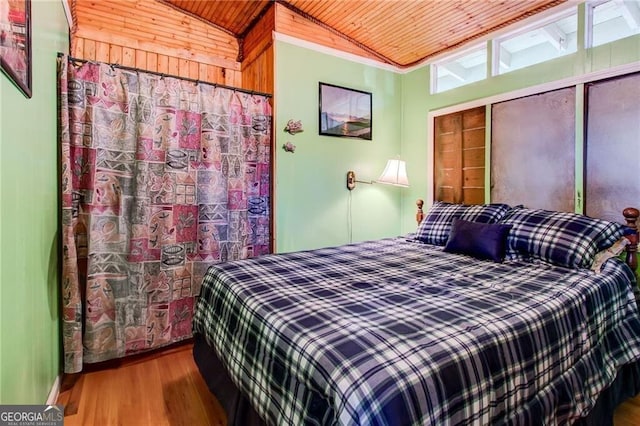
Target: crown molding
335,52
67,13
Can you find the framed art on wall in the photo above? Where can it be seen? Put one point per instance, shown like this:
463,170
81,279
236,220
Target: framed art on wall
15,42
345,112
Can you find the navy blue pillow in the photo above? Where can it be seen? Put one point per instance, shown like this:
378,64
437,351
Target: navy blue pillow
480,240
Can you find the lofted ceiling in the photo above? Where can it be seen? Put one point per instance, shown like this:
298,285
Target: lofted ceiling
398,32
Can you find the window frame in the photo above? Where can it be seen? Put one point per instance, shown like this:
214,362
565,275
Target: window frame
472,48
590,6
534,25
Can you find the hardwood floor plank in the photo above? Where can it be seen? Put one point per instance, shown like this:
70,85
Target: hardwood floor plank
165,388
628,413
71,389
161,389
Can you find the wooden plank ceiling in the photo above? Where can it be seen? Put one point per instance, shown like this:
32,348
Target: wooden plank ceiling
399,32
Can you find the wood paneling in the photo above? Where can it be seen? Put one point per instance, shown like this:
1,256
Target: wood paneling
259,38
292,24
150,61
258,65
234,15
152,26
459,157
152,36
408,32
258,75
402,33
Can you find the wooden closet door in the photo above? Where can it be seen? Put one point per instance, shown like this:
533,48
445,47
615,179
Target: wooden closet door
459,152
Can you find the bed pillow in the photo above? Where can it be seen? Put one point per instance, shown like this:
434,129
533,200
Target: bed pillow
566,239
480,240
436,226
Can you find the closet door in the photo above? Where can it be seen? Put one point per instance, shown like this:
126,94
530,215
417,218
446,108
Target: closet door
533,151
612,146
459,150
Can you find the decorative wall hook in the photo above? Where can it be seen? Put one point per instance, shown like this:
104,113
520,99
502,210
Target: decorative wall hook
289,147
294,127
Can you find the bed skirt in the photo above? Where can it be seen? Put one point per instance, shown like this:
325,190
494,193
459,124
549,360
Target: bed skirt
240,412
237,406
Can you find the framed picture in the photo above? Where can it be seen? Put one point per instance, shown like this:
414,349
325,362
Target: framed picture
345,112
15,42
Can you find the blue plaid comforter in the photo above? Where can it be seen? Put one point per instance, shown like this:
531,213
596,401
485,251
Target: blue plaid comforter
394,332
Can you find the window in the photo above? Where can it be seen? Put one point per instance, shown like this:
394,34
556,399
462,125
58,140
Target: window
549,39
612,20
539,40
459,70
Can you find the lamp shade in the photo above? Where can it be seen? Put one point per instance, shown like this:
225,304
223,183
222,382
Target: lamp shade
395,173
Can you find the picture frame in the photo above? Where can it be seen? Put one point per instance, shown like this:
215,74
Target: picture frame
345,112
15,43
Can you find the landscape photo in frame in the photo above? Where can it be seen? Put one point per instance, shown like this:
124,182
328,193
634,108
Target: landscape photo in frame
345,112
15,43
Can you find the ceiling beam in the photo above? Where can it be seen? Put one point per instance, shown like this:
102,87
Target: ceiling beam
456,70
505,57
630,12
555,36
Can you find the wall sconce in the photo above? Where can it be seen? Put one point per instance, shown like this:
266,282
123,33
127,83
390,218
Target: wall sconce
395,173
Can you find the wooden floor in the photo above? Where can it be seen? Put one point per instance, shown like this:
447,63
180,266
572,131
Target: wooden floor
628,413
166,388
163,388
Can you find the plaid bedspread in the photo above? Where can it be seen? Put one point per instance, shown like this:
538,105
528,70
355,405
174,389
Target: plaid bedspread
394,332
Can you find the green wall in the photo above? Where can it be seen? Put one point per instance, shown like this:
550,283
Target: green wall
417,102
29,308
311,199
311,203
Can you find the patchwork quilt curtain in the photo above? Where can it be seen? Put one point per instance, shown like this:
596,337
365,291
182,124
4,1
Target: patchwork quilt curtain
160,178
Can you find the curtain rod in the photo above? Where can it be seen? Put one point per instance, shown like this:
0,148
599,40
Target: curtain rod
251,92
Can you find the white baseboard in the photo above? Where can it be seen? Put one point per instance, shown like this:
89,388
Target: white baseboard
55,391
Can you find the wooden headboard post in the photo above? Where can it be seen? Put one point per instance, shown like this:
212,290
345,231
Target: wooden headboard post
631,216
420,213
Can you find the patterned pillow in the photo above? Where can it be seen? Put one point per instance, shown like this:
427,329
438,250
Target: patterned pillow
566,239
436,226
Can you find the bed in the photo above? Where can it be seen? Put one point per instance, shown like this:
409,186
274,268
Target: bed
487,315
